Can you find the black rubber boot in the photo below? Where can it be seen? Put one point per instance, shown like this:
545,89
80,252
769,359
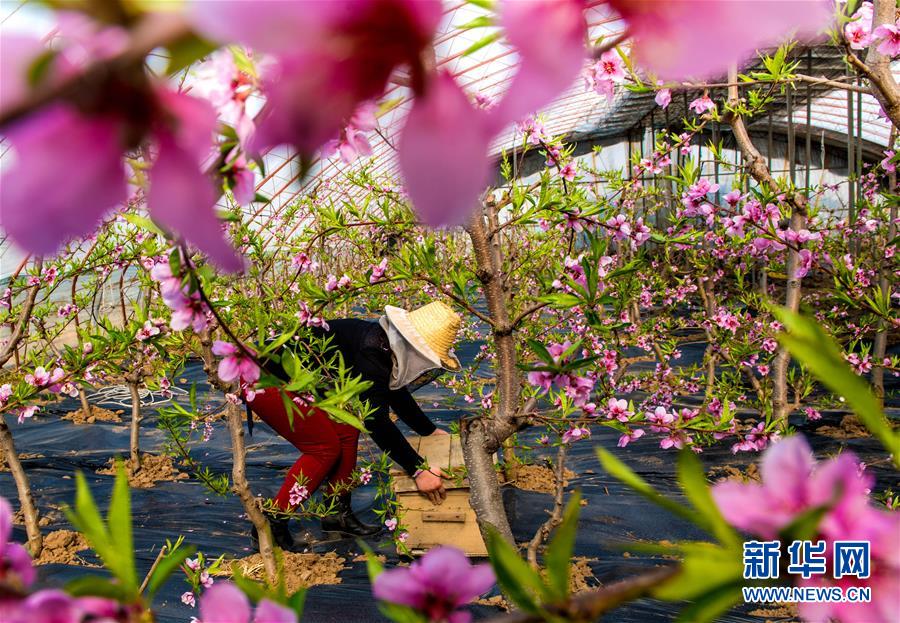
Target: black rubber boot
345,522
282,536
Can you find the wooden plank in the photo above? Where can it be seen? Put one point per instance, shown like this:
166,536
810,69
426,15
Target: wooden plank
456,453
444,517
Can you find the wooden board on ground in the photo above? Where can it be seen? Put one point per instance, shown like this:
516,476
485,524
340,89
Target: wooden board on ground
453,521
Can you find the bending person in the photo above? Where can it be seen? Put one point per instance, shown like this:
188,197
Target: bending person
398,353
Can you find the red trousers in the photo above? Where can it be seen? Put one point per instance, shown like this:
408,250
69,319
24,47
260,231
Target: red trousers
328,448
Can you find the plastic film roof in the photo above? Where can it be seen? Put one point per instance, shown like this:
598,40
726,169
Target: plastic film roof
578,113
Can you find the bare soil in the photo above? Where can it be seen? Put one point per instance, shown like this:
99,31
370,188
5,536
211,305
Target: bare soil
538,478
850,428
46,519
732,472
62,547
300,570
154,468
97,414
777,611
581,579
22,456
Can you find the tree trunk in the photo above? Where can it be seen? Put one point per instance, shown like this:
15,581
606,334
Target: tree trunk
135,442
482,437
759,170
29,510
12,344
880,347
781,406
484,485
877,66
85,405
241,488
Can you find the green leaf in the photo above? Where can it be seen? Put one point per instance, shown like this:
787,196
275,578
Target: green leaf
710,606
119,520
166,567
693,481
517,579
86,519
186,50
144,223
558,558
481,21
815,349
705,567
395,612
253,590
627,476
804,526
484,41
98,586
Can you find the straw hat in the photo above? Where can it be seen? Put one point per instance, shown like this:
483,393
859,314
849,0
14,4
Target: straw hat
430,329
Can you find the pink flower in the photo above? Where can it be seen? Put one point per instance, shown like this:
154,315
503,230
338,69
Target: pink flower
804,263
663,98
858,32
702,104
889,35
241,179
793,483
54,139
227,88
603,75
298,493
569,171
353,142
378,271
549,38
90,148
443,153
436,585
390,524
303,263
328,57
627,438
575,433
618,410
235,364
15,562
699,38
187,598
887,163
225,602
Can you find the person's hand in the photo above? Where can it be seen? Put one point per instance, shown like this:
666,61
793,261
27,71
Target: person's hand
440,431
431,485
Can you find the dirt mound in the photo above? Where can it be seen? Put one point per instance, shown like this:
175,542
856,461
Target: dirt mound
97,414
497,601
581,577
154,468
850,428
538,478
22,456
300,570
733,472
45,520
777,611
62,547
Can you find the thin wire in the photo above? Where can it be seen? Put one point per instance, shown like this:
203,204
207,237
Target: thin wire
14,11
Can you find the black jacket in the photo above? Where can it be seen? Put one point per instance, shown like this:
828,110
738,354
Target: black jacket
364,346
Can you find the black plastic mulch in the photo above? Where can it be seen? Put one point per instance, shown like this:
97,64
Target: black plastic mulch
215,525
